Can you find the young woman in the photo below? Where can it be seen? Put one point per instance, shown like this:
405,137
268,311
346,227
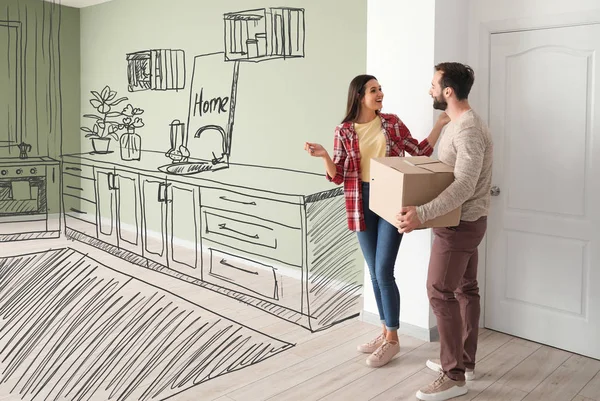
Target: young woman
365,133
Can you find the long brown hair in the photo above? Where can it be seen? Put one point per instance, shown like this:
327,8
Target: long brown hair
356,92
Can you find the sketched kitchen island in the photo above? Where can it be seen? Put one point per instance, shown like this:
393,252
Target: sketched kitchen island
279,243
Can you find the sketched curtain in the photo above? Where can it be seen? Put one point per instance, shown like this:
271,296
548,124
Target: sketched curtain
41,77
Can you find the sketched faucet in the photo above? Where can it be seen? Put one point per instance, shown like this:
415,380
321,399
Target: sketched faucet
224,154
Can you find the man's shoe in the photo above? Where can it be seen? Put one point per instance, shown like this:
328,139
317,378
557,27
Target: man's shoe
443,388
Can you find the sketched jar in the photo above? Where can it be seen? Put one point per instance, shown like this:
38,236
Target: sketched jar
131,143
131,146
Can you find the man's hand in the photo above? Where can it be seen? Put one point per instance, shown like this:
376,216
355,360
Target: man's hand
407,220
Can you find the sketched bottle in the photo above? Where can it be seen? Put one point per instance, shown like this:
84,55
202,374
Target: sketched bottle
131,143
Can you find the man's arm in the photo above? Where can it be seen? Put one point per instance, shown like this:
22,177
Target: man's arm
470,148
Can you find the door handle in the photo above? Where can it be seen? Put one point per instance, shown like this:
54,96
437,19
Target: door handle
495,191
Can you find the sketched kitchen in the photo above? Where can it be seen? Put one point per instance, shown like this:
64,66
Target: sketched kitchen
168,171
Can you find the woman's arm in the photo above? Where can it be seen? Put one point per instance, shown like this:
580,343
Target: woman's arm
335,166
425,147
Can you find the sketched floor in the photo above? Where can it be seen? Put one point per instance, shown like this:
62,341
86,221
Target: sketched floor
72,328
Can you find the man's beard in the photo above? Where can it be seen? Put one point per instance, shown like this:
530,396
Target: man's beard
439,104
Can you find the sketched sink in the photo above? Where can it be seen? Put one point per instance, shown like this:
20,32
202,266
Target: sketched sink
186,168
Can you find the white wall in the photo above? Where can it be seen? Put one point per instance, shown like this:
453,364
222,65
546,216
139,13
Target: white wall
400,53
405,40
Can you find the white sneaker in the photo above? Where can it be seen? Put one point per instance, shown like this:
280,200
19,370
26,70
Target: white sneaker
436,366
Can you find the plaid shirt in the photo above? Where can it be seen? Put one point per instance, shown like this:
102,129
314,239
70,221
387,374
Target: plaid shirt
346,156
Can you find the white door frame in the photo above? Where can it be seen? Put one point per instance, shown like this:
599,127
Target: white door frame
486,30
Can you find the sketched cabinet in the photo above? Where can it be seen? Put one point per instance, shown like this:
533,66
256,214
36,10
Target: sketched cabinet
171,224
118,206
79,198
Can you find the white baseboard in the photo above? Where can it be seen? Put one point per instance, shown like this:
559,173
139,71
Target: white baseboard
422,333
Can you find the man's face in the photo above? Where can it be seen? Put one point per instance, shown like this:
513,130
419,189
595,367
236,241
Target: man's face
437,93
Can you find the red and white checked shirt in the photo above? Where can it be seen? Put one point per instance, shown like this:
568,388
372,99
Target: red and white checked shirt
346,156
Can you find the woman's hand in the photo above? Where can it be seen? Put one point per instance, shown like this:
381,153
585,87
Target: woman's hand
315,149
442,120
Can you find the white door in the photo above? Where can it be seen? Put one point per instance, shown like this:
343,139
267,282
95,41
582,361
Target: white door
543,241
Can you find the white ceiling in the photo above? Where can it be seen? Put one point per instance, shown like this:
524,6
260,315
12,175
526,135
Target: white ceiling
77,3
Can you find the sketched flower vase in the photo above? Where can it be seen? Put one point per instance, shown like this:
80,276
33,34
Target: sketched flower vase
131,146
131,143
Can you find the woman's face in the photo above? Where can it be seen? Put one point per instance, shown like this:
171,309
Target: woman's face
373,98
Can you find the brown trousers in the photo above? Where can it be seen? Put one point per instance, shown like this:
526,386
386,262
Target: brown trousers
454,293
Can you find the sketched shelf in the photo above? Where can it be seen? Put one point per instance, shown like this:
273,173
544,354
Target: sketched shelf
264,34
162,69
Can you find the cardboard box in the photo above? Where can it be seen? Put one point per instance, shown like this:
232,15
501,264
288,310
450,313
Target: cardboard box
409,181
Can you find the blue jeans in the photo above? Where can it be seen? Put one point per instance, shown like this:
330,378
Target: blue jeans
380,243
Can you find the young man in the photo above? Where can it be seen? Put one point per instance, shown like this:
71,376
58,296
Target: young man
452,278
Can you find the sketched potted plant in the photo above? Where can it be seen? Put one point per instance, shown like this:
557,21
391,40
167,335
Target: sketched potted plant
130,141
104,129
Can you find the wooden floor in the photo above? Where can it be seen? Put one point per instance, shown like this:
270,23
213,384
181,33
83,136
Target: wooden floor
326,365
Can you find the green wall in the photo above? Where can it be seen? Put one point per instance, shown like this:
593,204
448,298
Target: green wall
280,104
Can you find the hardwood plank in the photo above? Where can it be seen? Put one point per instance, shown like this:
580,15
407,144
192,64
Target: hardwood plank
289,376
500,392
406,390
497,364
581,398
535,369
327,382
592,389
382,379
567,380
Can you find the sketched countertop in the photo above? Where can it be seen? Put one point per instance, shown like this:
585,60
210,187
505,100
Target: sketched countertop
280,183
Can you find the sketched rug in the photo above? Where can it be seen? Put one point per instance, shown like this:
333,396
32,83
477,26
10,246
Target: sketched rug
74,329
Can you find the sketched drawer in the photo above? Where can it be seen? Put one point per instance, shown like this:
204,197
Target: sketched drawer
83,188
249,276
79,170
268,209
252,235
80,208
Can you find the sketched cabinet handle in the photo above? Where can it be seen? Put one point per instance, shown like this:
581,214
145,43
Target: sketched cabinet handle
226,199
162,192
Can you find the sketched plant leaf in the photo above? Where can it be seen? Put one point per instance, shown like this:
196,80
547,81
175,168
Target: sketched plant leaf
92,116
86,129
137,111
97,95
105,93
96,103
116,102
104,108
113,136
111,95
